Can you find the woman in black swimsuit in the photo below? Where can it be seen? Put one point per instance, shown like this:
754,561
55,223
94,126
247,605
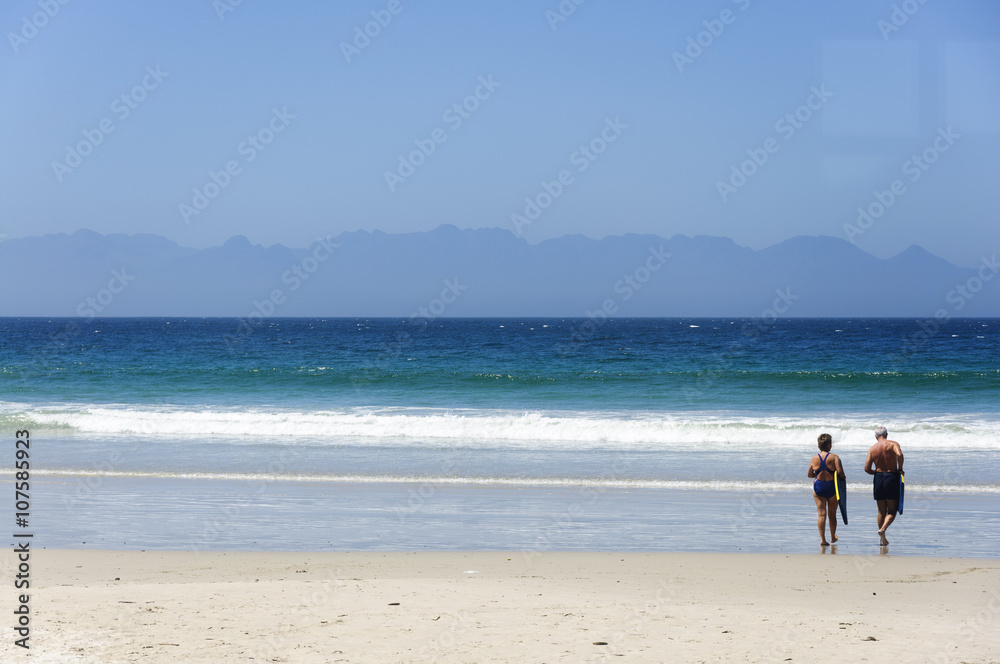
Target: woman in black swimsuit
822,467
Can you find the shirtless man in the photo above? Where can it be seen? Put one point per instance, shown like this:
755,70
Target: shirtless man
885,462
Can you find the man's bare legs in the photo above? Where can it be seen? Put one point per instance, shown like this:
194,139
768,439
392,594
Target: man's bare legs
821,519
886,515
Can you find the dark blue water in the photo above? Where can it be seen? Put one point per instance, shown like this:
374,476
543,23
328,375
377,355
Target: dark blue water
743,365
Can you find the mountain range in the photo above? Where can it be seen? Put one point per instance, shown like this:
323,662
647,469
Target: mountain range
482,272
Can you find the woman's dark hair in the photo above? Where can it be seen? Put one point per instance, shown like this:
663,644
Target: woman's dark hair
824,441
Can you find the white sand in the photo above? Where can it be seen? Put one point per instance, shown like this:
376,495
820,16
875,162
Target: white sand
114,606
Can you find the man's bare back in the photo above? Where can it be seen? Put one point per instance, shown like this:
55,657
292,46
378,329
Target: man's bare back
887,456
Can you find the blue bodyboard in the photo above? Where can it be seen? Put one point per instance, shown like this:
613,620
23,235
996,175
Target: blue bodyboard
842,496
902,485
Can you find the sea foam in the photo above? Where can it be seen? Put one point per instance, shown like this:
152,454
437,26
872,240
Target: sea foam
547,430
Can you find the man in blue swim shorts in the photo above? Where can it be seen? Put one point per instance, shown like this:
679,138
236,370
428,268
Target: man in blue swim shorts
885,462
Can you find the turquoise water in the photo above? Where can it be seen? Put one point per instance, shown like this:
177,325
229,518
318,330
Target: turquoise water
751,366
681,407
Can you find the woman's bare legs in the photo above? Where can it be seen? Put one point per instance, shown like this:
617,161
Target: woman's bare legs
821,519
831,512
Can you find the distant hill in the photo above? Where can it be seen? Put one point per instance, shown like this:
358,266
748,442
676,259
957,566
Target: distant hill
482,272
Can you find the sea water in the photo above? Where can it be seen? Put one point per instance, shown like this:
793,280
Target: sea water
530,434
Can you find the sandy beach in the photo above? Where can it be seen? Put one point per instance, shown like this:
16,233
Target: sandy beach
132,606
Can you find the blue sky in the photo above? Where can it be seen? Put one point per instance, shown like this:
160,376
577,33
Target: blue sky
671,128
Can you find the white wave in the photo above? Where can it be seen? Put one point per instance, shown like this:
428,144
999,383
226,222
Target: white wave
608,483
500,428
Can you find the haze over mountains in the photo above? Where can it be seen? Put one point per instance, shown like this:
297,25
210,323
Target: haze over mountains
483,272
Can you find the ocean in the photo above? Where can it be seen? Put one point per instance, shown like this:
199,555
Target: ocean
510,434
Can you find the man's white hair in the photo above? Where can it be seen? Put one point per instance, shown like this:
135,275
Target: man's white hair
881,432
